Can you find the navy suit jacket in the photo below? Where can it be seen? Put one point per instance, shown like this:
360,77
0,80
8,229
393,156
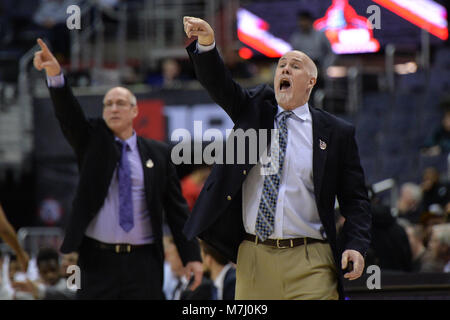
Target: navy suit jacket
97,156
217,215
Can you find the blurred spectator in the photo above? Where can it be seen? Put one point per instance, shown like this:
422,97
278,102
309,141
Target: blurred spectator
66,261
439,140
239,68
51,285
408,203
433,190
14,268
438,250
5,294
50,20
17,275
312,42
176,271
431,217
8,234
222,272
192,184
181,290
390,248
415,236
48,265
170,76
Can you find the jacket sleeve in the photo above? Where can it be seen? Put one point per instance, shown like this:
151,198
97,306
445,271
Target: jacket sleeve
353,199
71,118
216,79
177,211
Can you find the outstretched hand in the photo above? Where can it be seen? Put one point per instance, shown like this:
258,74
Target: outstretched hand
44,59
200,28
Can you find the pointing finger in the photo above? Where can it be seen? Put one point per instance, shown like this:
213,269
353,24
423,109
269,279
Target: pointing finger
43,45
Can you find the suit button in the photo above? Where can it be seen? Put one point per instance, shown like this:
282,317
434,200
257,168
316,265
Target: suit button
228,197
244,172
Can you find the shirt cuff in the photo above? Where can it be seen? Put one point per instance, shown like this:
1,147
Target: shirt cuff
56,81
201,48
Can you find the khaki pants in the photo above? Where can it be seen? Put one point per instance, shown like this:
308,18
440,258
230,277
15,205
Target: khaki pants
305,272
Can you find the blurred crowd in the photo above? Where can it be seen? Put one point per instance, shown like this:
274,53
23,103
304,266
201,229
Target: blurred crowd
414,235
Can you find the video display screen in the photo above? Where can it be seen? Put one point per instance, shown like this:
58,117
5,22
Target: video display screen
351,26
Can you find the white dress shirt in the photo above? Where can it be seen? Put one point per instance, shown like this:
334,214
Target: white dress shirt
296,212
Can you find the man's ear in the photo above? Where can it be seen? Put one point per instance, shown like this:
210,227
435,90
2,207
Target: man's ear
135,111
312,82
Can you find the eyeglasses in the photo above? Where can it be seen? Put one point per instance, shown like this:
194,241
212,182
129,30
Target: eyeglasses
121,104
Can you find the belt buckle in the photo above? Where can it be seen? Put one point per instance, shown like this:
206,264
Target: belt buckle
291,244
127,248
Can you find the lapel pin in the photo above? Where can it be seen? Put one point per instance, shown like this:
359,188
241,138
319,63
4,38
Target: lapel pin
149,163
322,144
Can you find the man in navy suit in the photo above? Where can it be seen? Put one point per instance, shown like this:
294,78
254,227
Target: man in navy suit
126,182
279,227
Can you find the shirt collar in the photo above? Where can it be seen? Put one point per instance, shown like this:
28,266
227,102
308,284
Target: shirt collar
221,277
299,112
131,141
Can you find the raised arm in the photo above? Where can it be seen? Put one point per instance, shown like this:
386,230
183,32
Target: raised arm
211,71
67,109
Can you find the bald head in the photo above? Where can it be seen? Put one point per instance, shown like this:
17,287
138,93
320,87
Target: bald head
121,90
308,62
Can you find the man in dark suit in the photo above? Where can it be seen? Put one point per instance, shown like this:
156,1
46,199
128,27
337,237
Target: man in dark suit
125,183
279,226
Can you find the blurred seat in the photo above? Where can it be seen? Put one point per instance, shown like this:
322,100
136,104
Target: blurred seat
439,162
397,166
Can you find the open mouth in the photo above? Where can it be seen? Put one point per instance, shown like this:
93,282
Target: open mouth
284,84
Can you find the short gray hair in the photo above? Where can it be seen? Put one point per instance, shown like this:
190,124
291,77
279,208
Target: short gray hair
414,189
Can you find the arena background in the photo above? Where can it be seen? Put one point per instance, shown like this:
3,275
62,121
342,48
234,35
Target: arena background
396,97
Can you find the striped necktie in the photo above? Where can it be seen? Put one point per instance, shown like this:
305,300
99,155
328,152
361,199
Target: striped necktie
265,220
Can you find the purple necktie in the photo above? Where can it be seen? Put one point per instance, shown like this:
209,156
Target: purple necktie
125,199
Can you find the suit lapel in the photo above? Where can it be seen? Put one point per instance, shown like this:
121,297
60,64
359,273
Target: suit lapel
321,135
148,167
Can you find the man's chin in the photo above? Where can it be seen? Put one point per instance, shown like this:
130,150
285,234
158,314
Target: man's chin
286,104
114,127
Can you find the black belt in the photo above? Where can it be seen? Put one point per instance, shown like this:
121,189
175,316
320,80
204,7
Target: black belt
116,247
282,243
